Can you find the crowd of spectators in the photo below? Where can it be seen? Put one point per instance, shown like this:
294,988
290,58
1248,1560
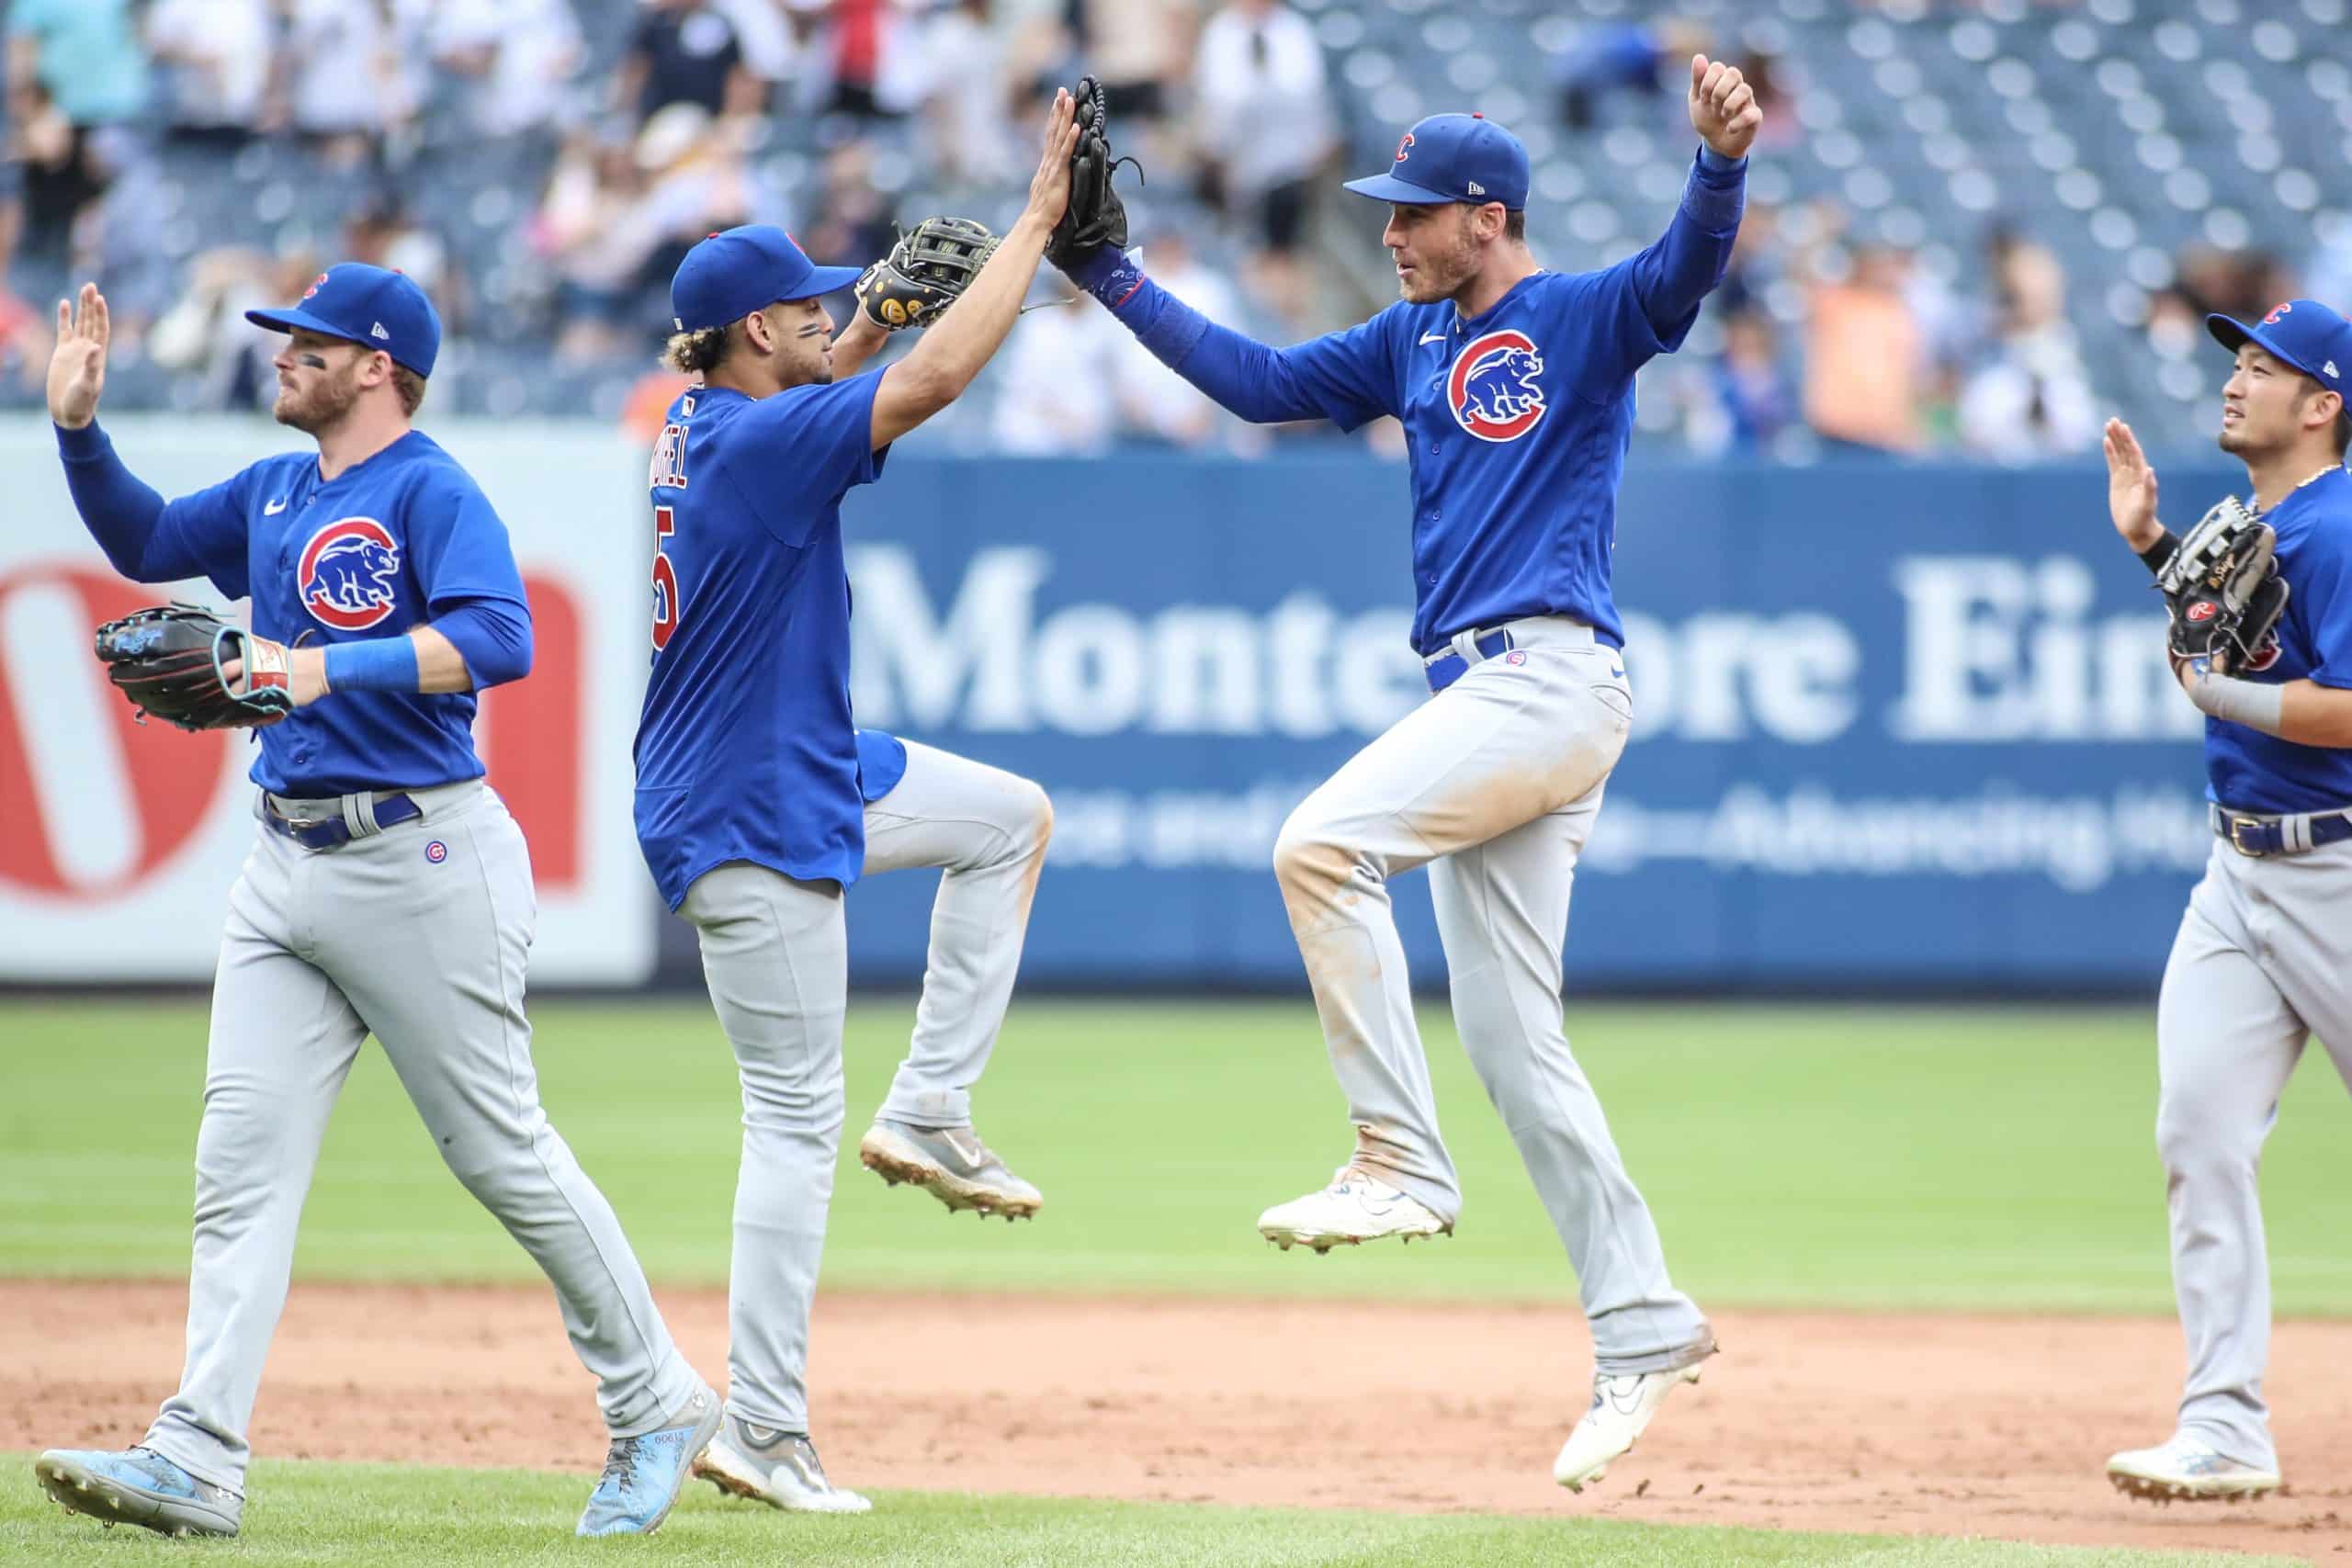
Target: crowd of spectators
625,130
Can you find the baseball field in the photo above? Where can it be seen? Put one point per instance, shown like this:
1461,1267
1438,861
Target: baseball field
1932,1240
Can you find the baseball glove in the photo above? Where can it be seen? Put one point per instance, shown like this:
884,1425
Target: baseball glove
925,272
2223,589
1095,217
167,661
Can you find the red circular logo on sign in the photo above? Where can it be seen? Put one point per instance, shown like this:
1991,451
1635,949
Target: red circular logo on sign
154,763
1493,387
350,573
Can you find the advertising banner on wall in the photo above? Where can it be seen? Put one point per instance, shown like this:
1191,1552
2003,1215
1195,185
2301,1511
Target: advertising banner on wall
1895,725
118,842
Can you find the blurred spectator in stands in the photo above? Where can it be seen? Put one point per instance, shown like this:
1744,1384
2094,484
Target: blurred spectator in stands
1746,400
877,61
852,224
215,55
1629,58
382,233
1155,403
768,34
685,52
616,222
968,97
1056,383
350,74
1265,125
1865,360
1138,50
1772,83
2031,397
76,75
204,336
2207,279
1757,261
516,56
2327,277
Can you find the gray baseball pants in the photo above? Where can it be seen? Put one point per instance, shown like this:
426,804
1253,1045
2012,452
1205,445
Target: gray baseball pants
2262,961
425,950
1494,785
774,954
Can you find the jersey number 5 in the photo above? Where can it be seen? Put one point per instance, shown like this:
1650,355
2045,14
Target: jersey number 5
665,580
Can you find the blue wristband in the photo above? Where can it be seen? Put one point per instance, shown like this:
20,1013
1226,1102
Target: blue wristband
379,665
1108,275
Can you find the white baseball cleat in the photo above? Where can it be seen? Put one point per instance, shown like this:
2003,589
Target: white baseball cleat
2188,1470
1622,1408
780,1469
1354,1209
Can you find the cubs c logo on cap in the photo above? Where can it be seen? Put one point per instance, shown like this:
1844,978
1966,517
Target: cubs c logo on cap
1404,147
348,573
2287,308
1493,387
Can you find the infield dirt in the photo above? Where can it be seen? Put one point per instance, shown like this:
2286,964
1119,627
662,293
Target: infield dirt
1930,1424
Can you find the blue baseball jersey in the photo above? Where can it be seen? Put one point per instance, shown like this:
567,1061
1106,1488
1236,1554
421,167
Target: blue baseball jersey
385,545
1516,422
746,749
2244,769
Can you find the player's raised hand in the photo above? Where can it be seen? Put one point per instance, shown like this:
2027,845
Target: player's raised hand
1049,190
1723,110
78,370
2130,488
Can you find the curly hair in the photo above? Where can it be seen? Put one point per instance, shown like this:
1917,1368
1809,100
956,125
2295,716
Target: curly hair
697,352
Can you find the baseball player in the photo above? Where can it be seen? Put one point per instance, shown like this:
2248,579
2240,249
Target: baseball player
753,787
1515,386
387,892
2263,957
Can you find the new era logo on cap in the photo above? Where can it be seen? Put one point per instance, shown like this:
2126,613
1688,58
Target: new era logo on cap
378,331
1477,190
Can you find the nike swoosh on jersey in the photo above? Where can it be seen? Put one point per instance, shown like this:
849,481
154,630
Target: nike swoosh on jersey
1433,337
272,508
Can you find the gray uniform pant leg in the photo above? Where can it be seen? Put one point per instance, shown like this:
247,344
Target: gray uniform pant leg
1503,772
321,949
433,955
776,956
1502,912
986,829
2263,958
283,1038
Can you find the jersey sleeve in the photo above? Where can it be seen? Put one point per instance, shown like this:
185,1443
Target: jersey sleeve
205,533
1349,378
2322,590
458,546
793,453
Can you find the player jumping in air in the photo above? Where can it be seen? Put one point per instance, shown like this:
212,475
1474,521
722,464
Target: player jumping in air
752,784
1515,386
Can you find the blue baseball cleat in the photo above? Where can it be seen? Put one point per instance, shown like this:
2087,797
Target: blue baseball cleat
138,1486
643,1475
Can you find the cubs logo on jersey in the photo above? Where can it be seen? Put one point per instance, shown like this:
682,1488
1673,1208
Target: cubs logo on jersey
1495,388
350,573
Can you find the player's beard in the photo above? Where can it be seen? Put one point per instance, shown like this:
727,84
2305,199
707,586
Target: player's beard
1441,274
324,405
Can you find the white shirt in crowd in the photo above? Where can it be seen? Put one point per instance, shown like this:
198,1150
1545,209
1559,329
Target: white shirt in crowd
534,45
1264,105
219,52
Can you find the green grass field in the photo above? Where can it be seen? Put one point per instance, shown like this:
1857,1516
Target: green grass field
380,1517
1840,1158
1983,1158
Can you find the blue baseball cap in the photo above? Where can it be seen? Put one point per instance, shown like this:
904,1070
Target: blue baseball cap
1452,157
2300,332
732,274
368,306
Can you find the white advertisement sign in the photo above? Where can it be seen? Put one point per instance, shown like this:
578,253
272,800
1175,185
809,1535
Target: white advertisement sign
118,842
